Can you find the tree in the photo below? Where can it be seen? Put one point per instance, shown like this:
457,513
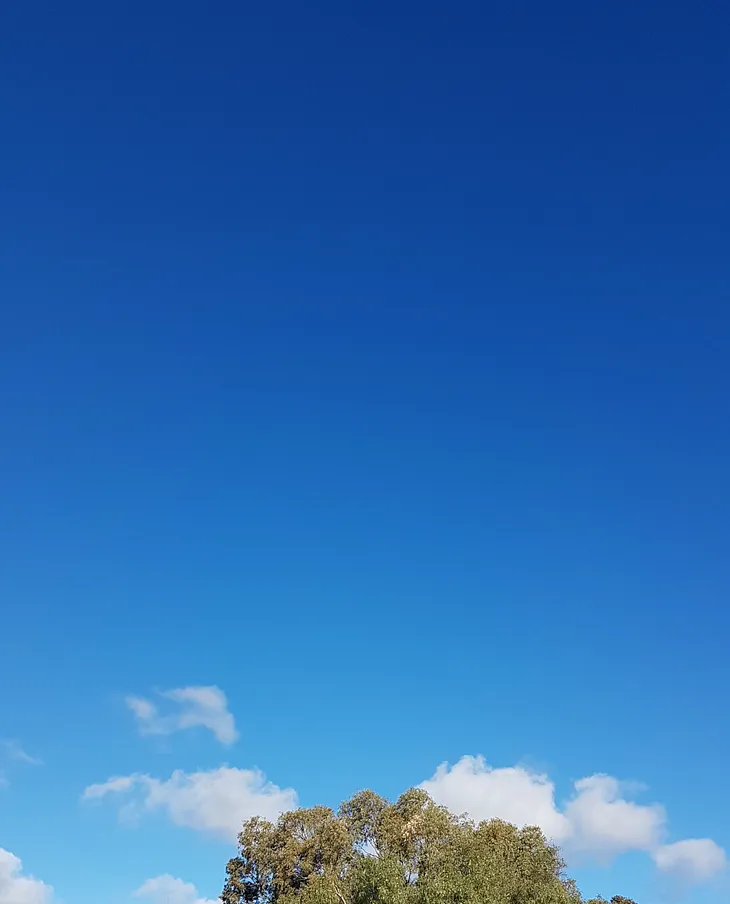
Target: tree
616,899
408,852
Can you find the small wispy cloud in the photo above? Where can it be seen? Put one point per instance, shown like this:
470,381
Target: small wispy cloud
13,750
185,707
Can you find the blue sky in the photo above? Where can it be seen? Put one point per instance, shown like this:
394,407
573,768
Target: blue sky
364,376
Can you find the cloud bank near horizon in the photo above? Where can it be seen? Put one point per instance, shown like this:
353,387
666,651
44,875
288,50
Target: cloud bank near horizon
598,822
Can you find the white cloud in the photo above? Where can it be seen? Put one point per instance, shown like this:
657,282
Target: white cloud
598,821
604,824
119,784
216,801
11,750
15,888
168,890
693,860
194,707
512,794
144,710
14,751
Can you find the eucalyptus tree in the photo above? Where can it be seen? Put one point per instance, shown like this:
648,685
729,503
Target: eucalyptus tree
412,851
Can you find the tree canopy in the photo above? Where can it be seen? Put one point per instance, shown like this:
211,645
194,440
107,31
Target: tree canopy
408,852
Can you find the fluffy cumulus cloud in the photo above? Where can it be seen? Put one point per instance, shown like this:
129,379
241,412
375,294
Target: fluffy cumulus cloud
603,823
598,821
168,890
691,861
512,794
185,707
216,801
16,888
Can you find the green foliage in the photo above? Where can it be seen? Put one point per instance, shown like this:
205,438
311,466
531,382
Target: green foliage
616,899
408,852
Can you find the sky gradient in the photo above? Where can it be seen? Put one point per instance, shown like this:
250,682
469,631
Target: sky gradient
363,378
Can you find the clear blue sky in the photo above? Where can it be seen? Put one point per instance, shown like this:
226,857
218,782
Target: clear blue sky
371,363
